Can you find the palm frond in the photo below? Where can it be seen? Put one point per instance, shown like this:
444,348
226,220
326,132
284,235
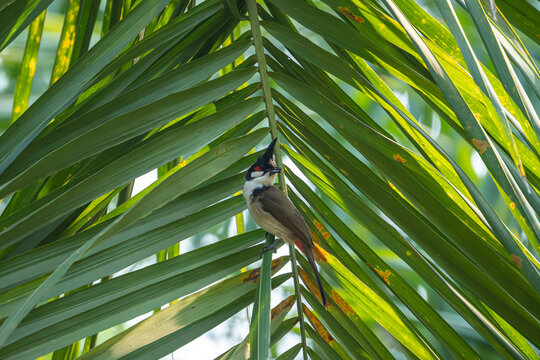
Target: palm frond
420,257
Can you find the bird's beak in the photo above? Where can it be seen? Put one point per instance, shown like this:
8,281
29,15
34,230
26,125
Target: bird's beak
276,171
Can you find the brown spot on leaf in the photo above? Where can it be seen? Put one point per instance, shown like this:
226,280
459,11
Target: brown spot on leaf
252,276
399,158
383,274
276,263
347,309
285,305
309,283
318,325
480,145
321,229
517,260
298,244
314,236
347,12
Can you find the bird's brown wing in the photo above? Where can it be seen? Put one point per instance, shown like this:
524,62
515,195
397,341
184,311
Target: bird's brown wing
274,202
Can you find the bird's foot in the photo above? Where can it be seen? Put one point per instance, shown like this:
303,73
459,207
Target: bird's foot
270,247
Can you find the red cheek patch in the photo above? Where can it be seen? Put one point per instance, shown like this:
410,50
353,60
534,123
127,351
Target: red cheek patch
256,168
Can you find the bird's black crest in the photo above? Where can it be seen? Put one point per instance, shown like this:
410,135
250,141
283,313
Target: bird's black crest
265,161
269,153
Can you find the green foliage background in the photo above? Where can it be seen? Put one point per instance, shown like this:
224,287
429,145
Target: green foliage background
410,136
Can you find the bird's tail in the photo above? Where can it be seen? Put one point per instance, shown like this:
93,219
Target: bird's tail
309,255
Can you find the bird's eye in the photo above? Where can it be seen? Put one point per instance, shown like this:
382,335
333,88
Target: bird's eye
257,168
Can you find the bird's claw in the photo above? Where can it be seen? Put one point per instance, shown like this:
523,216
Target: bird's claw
267,248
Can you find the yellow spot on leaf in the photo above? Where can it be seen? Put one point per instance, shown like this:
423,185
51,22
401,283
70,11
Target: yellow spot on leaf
319,253
399,158
32,66
383,274
512,206
347,12
344,172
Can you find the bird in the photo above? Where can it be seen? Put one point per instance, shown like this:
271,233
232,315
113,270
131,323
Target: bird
272,210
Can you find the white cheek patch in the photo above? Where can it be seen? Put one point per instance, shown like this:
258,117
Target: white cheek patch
255,174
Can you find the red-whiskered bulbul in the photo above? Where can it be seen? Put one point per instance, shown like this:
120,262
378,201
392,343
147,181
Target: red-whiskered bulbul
274,212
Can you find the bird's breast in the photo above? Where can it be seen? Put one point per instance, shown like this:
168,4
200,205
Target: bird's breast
269,223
